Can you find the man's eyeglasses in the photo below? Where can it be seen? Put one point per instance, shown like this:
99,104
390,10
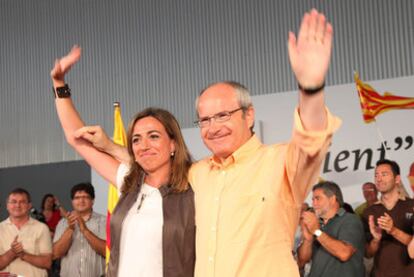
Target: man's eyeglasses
87,197
218,117
14,202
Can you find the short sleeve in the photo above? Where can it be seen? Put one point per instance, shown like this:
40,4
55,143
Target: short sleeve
2,240
352,231
45,242
102,227
122,171
60,228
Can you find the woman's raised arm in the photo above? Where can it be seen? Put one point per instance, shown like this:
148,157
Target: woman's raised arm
71,121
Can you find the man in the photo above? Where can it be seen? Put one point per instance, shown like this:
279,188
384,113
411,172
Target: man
371,196
248,195
80,237
338,246
25,244
389,223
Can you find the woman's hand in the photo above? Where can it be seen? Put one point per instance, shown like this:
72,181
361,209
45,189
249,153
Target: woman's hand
63,65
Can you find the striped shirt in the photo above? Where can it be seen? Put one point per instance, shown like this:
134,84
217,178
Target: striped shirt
81,260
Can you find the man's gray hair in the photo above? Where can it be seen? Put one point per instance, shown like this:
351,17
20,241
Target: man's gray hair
330,189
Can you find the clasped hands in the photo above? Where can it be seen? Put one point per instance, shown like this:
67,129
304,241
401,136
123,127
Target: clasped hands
17,249
309,224
384,222
74,219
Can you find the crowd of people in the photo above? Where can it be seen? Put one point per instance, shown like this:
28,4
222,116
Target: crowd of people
36,244
376,241
234,213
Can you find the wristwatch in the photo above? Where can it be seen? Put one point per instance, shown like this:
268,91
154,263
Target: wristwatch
317,233
62,92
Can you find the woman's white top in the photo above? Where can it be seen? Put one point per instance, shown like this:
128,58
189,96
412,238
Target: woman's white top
141,235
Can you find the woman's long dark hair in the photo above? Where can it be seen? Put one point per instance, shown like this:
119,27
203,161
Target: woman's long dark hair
181,161
46,196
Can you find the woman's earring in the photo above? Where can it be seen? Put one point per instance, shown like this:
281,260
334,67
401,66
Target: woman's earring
172,154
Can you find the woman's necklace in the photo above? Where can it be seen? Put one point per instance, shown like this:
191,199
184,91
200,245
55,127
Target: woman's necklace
143,196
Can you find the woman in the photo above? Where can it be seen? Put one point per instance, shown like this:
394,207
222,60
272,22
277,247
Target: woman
51,211
152,226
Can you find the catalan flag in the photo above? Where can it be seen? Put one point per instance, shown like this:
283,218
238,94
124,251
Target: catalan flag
113,195
373,104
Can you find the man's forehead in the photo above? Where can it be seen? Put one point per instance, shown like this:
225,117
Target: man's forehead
383,167
218,91
368,186
318,192
18,195
217,99
81,192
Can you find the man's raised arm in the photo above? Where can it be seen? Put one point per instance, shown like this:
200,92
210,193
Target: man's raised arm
309,55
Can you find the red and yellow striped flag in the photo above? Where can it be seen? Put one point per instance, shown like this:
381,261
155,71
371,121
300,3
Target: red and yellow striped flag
373,104
113,195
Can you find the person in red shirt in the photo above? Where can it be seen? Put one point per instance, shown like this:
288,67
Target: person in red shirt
51,211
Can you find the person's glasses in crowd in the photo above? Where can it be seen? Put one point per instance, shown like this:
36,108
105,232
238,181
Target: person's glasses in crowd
82,197
218,117
14,202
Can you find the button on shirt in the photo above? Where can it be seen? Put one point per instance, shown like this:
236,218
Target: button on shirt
247,207
81,260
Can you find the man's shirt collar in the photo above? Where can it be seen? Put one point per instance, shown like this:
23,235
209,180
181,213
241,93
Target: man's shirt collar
341,211
401,197
244,152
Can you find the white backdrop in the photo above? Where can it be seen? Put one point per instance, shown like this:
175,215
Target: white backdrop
274,119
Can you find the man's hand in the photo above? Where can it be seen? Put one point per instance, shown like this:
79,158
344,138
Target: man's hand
63,65
82,225
311,221
96,136
17,247
306,234
72,218
310,52
386,223
375,230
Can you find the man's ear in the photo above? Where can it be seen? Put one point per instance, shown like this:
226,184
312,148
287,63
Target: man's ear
249,114
398,179
333,200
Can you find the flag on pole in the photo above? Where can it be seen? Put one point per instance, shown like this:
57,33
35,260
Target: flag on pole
373,104
113,194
